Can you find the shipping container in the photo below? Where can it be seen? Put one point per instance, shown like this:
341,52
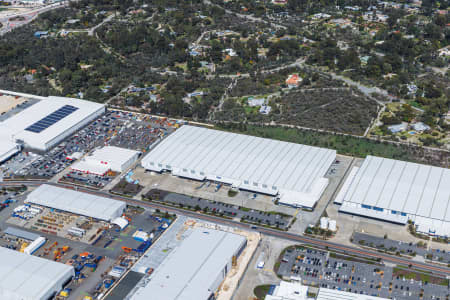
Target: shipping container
35,245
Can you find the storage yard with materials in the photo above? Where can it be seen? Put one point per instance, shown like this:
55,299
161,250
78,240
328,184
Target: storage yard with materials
217,256
67,149
117,256
24,276
100,251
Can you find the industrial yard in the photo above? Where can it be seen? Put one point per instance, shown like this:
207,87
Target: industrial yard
100,252
115,206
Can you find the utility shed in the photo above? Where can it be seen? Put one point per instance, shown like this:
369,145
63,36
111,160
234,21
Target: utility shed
294,172
27,277
79,203
196,268
398,191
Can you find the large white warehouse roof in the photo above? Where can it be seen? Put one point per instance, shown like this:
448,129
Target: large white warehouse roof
396,191
77,202
47,122
27,277
195,269
295,172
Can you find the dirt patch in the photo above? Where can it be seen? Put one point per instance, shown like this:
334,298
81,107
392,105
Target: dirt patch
127,188
9,102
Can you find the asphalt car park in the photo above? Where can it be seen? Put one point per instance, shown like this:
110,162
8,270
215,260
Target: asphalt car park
115,128
328,270
222,209
411,249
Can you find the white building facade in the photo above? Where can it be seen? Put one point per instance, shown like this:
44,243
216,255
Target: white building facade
398,191
293,172
107,158
46,123
27,277
196,268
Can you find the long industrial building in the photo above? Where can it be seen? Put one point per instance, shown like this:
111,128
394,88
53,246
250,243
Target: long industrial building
27,277
398,191
79,203
46,123
294,172
196,268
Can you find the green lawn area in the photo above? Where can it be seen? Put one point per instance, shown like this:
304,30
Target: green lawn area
261,291
251,110
422,276
415,104
232,193
347,145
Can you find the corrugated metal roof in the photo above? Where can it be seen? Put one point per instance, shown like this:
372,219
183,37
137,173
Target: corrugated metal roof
418,190
191,271
24,276
266,165
77,202
21,233
402,186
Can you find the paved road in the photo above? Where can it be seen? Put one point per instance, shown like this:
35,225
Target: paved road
107,19
28,15
435,269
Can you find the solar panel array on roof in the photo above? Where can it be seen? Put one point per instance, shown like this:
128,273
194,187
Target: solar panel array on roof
51,118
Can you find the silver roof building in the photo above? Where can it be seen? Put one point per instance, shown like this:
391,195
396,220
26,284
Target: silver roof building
77,202
46,123
294,172
27,277
13,231
195,269
399,191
